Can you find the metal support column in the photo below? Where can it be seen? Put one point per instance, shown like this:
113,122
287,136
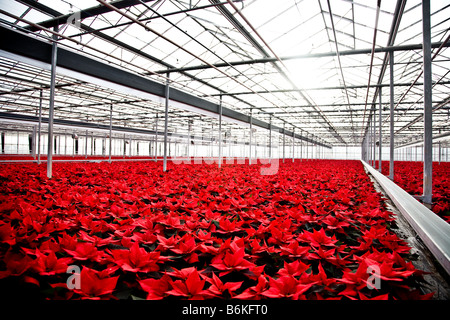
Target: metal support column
374,121
92,144
156,138
428,121
439,149
51,106
220,132
307,147
391,118
301,147
270,138
3,142
284,140
85,145
130,143
251,133
188,149
380,138
166,122
293,143
110,132
39,128
33,143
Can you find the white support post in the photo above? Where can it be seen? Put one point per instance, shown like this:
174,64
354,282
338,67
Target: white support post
188,149
391,118
270,138
166,123
51,105
85,145
156,138
284,140
427,119
220,132
110,132
251,133
39,128
380,138
33,143
293,143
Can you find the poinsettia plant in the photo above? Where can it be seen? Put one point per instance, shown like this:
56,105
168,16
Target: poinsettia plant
310,231
409,176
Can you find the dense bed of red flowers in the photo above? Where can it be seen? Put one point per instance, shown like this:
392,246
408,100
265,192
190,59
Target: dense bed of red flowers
313,230
409,176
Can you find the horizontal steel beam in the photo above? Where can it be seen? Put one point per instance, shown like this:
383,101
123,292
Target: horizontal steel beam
23,45
33,120
326,88
83,14
305,56
420,142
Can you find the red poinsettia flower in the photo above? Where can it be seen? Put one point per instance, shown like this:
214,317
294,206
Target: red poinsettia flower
147,238
335,224
279,236
85,251
136,259
68,242
295,268
7,234
191,288
318,238
204,237
166,244
294,250
181,274
218,288
255,292
231,261
185,245
227,226
96,241
156,288
16,264
49,264
286,287
95,285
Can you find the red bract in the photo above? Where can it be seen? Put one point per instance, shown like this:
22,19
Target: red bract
227,226
231,262
294,250
95,285
85,251
255,292
136,259
185,245
50,265
218,288
318,238
7,234
16,264
156,288
191,288
295,268
286,287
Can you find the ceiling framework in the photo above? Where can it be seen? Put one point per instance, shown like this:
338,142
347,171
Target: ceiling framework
313,67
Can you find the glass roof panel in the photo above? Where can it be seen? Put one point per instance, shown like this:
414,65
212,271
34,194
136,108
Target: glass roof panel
278,59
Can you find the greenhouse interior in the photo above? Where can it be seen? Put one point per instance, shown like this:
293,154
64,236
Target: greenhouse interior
225,149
